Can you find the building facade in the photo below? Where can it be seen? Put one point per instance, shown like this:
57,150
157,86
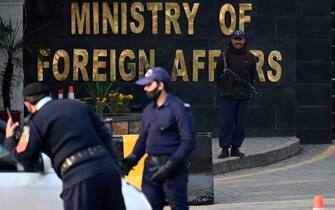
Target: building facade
85,41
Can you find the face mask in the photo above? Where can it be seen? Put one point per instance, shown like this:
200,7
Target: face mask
154,94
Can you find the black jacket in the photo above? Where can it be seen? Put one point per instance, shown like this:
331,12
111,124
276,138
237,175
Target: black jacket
243,63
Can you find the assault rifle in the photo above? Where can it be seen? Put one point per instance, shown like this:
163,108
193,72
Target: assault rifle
237,77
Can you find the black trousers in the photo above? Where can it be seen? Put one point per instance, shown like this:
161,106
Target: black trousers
174,189
100,192
232,129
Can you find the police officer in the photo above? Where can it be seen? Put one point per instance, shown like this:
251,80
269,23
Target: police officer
79,145
167,135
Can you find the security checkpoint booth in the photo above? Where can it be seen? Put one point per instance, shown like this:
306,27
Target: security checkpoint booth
200,183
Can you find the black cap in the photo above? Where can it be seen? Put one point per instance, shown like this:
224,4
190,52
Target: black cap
238,34
35,88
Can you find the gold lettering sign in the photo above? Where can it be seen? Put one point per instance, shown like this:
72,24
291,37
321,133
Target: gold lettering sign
197,64
244,18
41,65
127,69
274,56
172,17
97,64
227,8
124,20
143,63
154,7
182,71
61,54
112,64
80,60
79,21
108,18
190,14
212,54
259,65
85,14
96,15
130,66
138,17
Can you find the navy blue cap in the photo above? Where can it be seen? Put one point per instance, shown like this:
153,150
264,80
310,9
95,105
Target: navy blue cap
154,74
238,34
35,88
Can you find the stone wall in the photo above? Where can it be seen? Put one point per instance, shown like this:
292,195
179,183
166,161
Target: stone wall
313,72
297,32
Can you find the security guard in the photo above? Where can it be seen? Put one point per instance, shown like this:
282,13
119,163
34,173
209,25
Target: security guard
235,94
168,136
79,145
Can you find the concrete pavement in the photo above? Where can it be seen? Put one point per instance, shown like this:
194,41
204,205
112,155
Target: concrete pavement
290,184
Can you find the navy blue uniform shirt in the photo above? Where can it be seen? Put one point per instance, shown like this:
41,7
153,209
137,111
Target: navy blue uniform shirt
166,130
61,128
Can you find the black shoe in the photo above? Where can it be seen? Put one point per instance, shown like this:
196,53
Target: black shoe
224,153
235,152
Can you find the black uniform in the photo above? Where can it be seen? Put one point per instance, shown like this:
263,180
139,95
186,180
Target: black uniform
167,134
235,96
82,154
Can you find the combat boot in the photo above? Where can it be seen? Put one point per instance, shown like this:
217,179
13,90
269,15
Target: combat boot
235,152
224,153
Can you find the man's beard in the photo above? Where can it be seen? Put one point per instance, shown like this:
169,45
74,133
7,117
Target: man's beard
154,94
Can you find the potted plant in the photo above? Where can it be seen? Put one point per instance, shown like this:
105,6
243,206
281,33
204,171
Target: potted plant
105,100
113,107
11,46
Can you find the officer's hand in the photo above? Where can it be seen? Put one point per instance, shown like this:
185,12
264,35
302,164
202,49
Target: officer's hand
163,173
11,127
126,164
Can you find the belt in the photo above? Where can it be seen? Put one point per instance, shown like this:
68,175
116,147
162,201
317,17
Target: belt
82,155
159,159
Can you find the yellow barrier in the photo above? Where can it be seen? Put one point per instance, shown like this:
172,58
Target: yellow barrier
135,175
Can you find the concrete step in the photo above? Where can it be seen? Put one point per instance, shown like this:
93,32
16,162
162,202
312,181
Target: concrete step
259,151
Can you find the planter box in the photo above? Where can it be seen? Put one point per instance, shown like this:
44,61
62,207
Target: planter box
123,125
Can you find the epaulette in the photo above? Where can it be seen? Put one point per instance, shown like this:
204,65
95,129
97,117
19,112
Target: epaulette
187,105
